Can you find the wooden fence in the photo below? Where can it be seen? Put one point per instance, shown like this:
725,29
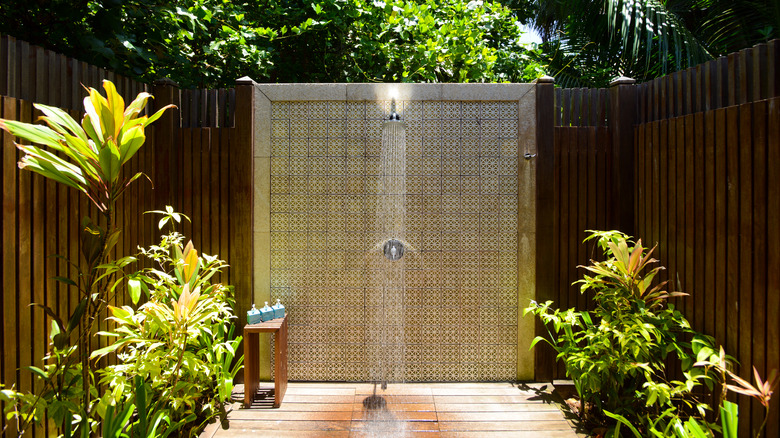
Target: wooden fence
694,155
34,74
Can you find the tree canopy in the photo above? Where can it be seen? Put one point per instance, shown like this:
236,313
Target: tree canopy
209,43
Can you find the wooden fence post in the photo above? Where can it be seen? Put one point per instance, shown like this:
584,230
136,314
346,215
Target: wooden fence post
166,133
544,359
241,219
621,122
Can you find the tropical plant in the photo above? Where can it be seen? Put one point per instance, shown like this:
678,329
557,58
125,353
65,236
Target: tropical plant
588,43
616,354
87,157
177,348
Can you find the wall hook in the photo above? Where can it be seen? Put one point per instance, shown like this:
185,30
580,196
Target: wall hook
529,155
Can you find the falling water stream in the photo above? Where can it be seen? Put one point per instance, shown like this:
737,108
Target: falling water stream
386,353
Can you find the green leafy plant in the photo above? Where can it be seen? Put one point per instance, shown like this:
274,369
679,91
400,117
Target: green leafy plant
180,343
616,354
87,157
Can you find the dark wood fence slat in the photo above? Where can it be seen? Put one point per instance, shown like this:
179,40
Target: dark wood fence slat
744,353
773,251
690,220
745,75
9,250
674,178
24,271
562,140
710,214
773,63
698,292
721,231
213,191
224,198
663,196
759,79
758,240
582,206
566,107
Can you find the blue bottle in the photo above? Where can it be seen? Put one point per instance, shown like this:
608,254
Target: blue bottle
266,313
253,315
278,310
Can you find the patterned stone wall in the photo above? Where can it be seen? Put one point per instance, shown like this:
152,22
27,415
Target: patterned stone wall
459,278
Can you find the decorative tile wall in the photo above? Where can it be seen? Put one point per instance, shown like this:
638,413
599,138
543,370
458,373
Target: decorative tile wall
450,304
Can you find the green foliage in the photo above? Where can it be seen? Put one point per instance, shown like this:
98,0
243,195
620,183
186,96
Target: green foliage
200,43
177,348
87,157
588,43
616,354
108,137
427,41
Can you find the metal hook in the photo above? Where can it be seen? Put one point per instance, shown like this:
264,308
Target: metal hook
529,155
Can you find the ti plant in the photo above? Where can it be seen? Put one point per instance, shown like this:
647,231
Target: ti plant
616,354
87,157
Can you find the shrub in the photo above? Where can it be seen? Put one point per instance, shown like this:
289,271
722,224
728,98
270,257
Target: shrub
179,345
617,353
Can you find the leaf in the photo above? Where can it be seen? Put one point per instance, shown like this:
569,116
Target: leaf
75,318
625,422
65,280
38,372
729,417
109,162
33,133
132,140
190,261
91,240
134,289
59,117
116,108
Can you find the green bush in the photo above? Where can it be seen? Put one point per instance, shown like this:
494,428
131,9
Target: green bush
617,353
179,345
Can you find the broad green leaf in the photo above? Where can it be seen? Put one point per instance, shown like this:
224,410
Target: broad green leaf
91,122
109,163
134,288
33,133
132,140
56,116
116,108
75,318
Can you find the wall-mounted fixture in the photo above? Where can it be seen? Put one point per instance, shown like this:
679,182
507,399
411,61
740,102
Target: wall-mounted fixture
393,249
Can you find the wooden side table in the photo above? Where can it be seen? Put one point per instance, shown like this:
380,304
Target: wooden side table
252,359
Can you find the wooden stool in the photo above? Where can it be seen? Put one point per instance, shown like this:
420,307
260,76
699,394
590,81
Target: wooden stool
252,359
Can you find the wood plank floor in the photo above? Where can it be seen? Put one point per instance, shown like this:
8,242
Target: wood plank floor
412,410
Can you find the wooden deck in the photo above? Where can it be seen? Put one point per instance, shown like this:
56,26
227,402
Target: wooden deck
427,410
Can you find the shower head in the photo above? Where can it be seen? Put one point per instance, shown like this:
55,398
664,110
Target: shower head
394,117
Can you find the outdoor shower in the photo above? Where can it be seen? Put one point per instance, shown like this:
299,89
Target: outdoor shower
390,349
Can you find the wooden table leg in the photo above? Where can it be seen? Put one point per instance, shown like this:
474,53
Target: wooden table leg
280,364
251,367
